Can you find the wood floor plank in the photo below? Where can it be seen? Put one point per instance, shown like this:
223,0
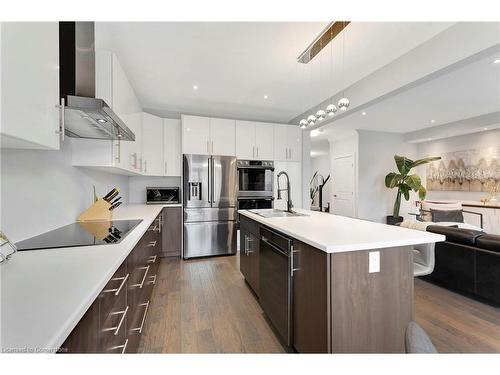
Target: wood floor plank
205,306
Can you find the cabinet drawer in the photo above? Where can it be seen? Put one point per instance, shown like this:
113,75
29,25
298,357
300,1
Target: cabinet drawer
113,296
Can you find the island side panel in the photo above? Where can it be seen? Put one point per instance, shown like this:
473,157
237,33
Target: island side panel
370,311
311,299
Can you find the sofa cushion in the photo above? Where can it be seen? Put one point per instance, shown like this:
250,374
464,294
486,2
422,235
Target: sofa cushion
456,216
457,235
489,242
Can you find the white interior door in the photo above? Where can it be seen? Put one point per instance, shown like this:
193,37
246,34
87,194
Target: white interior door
343,185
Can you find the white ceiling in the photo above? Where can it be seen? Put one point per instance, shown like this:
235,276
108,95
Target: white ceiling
236,64
463,93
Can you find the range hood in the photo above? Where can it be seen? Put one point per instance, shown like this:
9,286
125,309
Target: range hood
85,116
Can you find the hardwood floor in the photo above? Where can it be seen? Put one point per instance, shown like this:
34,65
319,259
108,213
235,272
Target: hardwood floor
204,306
456,324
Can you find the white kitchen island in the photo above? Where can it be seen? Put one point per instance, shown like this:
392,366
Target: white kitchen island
349,281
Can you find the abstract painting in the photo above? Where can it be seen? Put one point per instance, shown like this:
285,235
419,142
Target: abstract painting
470,170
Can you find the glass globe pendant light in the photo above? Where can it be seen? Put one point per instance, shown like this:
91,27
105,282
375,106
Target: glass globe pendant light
331,109
343,104
311,120
303,123
320,115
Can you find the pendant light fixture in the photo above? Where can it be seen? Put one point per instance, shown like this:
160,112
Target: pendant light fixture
344,102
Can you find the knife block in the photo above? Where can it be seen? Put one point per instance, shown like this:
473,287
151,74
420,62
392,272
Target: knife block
99,211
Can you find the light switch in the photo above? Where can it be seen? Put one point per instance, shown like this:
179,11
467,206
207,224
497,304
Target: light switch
373,261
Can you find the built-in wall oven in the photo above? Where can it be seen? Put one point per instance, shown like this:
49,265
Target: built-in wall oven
255,178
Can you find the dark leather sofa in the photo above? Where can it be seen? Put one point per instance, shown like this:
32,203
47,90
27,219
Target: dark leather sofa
467,262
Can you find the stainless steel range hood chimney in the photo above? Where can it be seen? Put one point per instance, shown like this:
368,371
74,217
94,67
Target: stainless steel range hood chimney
85,116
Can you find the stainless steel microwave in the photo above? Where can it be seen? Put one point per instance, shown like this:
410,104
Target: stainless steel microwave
163,195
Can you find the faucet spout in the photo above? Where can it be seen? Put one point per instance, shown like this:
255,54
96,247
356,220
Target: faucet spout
289,204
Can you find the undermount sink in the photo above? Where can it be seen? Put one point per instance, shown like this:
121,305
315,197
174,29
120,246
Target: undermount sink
276,213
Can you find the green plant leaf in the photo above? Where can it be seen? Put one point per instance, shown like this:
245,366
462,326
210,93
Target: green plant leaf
413,181
392,180
422,193
403,164
405,189
418,162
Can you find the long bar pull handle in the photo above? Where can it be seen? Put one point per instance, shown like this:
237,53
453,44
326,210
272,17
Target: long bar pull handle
117,290
143,317
62,122
292,266
122,347
143,278
122,319
210,187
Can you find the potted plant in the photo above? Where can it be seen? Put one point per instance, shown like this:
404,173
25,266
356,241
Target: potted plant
405,183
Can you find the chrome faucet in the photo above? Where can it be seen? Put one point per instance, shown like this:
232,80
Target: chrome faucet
289,204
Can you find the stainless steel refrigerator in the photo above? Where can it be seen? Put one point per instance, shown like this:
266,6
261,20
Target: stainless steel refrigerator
209,196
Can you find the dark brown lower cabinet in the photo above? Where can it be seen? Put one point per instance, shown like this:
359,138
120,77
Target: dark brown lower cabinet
172,232
114,322
249,253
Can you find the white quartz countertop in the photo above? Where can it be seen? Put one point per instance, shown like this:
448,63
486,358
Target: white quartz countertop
44,293
336,234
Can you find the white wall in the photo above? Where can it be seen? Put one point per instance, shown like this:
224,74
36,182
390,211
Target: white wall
321,164
460,143
137,186
41,190
375,161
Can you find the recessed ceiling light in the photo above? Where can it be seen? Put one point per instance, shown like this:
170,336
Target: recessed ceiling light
266,97
101,120
485,128
429,139
363,113
497,61
433,121
195,87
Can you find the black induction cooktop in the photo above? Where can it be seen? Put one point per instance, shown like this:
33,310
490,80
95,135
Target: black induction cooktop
87,233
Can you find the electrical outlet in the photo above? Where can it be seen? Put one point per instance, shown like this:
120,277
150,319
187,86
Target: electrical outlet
373,261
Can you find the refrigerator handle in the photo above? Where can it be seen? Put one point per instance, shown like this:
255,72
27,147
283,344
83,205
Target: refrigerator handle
209,191
213,181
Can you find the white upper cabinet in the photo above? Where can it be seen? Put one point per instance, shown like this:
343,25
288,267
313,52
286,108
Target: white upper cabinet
280,142
287,143
264,141
245,140
294,139
30,85
195,135
222,136
152,145
208,136
254,140
171,147
124,157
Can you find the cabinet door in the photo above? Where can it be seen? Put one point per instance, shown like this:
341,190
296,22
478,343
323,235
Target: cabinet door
294,140
264,141
195,135
311,300
280,142
152,145
171,147
172,232
245,140
245,261
222,137
30,85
